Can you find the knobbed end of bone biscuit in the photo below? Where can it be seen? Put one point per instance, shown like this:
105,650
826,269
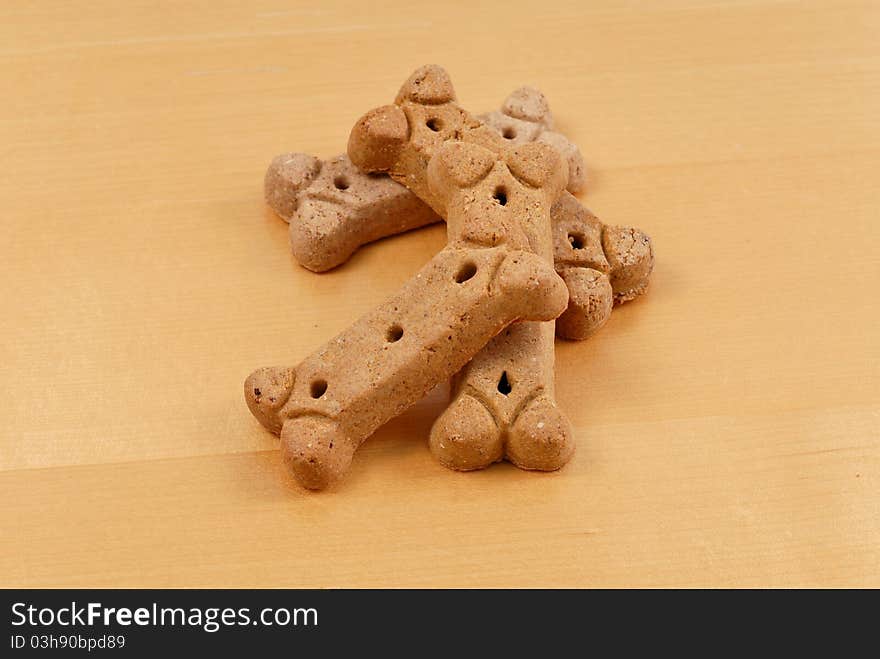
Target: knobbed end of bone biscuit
266,391
466,437
428,85
377,138
541,438
287,176
577,177
320,238
630,256
316,450
534,285
539,165
590,299
529,104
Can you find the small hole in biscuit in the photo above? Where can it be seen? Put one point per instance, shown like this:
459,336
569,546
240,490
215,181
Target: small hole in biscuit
508,133
576,240
465,272
504,386
500,195
341,183
257,393
318,388
434,124
394,333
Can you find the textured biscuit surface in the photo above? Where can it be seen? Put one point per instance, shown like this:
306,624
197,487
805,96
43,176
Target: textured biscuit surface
624,254
333,400
525,117
333,208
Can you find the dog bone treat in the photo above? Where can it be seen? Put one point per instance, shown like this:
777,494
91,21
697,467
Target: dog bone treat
480,175
333,208
503,401
525,117
325,407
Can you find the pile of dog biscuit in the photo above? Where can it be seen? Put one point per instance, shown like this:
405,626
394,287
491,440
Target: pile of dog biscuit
524,261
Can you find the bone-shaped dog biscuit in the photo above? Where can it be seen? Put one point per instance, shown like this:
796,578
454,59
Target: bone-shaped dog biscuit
333,208
503,401
325,407
480,175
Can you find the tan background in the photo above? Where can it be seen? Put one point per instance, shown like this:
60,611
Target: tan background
728,423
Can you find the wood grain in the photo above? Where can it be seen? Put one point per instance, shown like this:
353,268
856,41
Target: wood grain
728,423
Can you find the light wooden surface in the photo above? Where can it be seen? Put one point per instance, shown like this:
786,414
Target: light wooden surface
728,423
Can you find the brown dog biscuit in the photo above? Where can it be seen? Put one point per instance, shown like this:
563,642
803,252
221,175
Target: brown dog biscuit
465,171
525,117
333,208
503,402
325,407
